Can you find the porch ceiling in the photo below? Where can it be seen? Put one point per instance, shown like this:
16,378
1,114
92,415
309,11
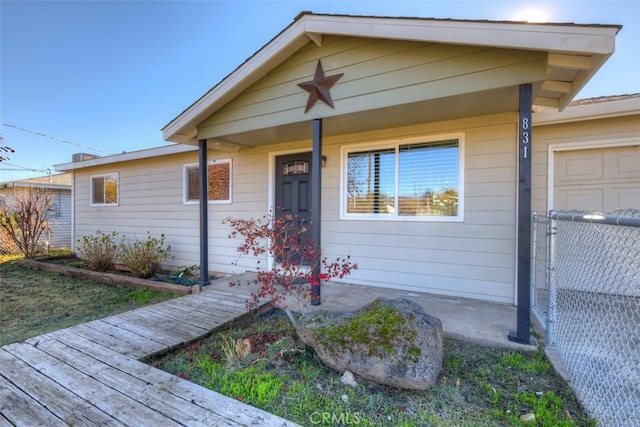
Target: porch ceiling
476,104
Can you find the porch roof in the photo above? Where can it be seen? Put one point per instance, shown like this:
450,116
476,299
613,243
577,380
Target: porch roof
574,53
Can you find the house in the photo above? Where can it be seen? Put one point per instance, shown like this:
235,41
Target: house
60,213
407,143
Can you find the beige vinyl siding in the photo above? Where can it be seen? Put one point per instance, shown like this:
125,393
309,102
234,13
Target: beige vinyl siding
602,132
149,199
474,258
377,73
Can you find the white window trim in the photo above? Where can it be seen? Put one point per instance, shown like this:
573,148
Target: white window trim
185,183
345,150
102,175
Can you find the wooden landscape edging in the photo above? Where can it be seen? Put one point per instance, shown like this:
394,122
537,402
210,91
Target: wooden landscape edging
108,278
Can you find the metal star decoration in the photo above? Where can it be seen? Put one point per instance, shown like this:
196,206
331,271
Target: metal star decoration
318,88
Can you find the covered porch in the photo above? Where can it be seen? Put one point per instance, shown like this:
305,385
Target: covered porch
378,83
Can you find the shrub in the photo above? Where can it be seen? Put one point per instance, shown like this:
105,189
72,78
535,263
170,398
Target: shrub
296,259
100,250
144,258
25,219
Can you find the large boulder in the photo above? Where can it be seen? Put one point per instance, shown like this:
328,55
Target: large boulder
391,342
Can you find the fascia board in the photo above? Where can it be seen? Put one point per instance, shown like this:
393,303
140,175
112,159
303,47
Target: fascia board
125,157
569,38
248,73
620,108
42,185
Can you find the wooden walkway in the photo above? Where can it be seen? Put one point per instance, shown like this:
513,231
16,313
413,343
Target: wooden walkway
90,375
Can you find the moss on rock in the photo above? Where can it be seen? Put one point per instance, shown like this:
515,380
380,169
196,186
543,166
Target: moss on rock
378,326
392,342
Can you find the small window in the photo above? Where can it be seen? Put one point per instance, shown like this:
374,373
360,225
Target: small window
297,167
53,211
104,190
218,182
419,180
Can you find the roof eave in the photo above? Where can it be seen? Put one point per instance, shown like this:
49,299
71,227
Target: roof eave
182,128
603,110
125,157
597,41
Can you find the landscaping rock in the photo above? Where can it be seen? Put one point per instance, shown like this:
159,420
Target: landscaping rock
528,418
391,342
348,379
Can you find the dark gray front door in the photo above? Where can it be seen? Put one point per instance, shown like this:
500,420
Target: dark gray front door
293,187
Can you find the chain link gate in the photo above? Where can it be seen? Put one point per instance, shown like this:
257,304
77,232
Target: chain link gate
586,295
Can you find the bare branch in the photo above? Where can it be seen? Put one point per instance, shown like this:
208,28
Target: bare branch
24,219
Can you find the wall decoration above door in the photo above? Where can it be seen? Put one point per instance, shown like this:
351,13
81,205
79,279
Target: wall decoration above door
318,88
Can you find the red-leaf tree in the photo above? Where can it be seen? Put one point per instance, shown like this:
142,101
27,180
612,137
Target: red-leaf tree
295,258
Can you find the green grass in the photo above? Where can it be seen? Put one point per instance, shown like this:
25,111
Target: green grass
477,385
34,302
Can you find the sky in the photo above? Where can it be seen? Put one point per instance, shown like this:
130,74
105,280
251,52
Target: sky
104,77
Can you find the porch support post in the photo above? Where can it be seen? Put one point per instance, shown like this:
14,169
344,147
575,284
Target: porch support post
316,197
204,214
522,334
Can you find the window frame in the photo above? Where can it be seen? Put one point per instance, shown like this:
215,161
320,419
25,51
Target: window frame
185,182
395,144
91,190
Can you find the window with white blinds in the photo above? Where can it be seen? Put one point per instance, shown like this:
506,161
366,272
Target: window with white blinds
404,180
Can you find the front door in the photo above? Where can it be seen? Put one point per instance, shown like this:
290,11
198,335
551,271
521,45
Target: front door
293,188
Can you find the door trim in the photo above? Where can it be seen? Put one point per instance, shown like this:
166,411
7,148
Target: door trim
572,146
271,179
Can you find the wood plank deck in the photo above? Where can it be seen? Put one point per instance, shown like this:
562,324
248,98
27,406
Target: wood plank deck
90,374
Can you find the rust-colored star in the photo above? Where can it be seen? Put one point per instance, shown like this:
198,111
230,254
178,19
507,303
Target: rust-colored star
318,88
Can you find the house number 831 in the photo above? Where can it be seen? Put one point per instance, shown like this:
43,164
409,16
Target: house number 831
525,136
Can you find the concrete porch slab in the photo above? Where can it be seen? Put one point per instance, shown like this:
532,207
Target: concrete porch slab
482,322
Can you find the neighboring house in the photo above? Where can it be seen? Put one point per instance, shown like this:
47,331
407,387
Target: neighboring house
60,214
412,126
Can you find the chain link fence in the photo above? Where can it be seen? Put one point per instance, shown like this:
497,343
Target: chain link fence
7,246
586,295
57,236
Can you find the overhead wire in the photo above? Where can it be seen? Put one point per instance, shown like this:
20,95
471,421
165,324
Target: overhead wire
21,168
53,137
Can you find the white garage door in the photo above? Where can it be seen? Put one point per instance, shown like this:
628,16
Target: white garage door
602,179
